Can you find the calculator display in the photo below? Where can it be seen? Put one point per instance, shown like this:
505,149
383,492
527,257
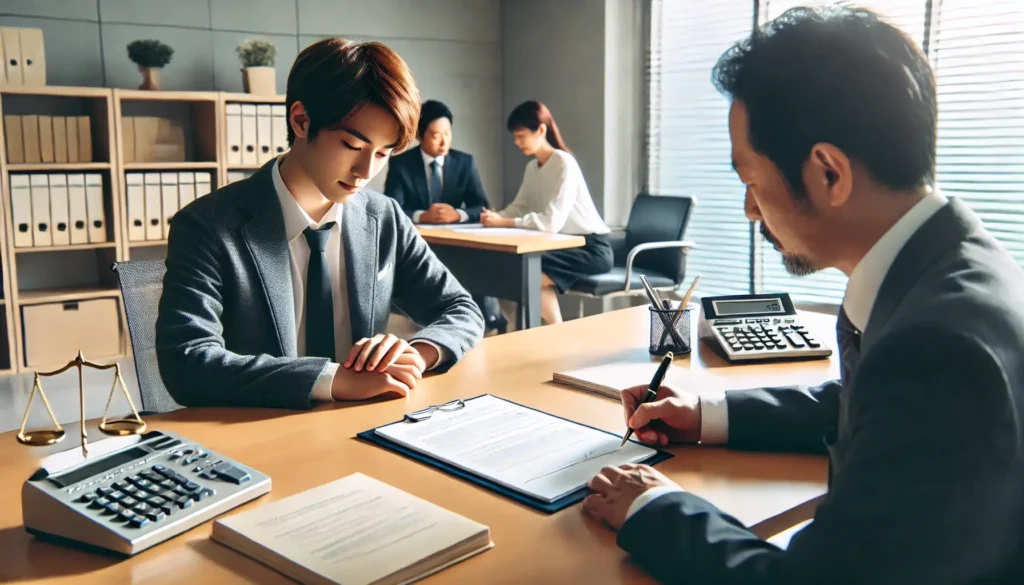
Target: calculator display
725,308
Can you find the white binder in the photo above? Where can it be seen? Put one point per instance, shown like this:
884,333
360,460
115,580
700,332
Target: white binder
233,133
95,208
12,53
78,217
203,184
186,189
169,196
154,208
21,210
136,207
249,155
279,132
264,139
59,216
41,231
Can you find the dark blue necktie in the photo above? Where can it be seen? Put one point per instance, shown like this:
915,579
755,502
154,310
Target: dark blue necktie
319,296
435,181
849,345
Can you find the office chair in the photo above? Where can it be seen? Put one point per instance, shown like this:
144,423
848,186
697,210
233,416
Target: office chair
652,245
141,284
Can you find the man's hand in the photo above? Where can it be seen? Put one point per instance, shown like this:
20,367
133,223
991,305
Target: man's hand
673,418
615,489
351,385
375,354
491,219
442,213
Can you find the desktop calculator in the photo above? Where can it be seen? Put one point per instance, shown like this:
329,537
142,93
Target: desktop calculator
138,495
747,328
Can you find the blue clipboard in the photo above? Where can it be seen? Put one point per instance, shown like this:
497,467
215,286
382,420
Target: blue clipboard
565,501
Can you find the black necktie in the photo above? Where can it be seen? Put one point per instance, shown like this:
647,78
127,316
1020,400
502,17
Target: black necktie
319,297
849,345
435,181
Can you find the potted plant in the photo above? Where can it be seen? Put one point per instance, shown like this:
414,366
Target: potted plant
150,55
258,75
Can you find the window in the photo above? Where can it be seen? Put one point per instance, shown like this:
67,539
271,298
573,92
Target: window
977,51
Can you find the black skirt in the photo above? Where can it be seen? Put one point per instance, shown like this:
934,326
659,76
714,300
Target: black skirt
566,267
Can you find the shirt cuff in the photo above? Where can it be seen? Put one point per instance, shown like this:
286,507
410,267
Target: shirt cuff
463,216
325,382
519,222
441,354
416,215
649,496
714,420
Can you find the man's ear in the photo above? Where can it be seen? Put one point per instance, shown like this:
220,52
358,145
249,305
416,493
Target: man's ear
828,175
298,118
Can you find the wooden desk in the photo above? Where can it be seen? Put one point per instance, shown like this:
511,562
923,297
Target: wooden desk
301,450
503,266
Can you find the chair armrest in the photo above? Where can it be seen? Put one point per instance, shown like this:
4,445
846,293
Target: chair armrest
617,240
685,245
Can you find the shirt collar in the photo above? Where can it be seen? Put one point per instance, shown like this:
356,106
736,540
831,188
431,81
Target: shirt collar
296,220
866,279
427,159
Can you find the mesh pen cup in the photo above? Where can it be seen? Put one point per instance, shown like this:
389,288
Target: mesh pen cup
670,332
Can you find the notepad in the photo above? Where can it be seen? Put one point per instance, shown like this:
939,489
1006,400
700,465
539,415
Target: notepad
525,450
612,378
356,531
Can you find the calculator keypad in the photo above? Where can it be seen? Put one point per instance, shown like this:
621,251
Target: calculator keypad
147,497
765,335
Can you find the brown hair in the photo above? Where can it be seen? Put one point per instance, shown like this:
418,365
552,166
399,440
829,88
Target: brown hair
531,115
335,77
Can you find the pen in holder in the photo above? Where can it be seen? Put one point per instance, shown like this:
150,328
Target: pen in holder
670,330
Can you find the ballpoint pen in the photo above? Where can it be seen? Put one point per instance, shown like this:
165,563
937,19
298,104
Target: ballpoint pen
652,390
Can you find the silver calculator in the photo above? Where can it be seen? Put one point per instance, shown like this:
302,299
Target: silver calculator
747,328
147,490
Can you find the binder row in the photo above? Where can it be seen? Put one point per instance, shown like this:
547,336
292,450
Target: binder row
255,133
154,198
57,209
47,139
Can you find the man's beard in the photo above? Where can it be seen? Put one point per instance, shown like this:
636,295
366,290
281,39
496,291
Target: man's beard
795,264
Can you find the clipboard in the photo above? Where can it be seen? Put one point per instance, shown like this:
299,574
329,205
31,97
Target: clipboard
565,501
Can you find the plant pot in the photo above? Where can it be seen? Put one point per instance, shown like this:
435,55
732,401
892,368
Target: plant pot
150,78
259,80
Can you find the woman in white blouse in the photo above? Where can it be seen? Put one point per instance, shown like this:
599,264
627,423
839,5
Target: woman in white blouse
553,198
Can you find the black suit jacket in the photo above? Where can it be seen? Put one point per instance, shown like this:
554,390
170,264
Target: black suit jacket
925,436
407,183
225,334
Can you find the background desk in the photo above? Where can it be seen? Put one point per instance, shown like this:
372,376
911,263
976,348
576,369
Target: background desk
503,266
301,450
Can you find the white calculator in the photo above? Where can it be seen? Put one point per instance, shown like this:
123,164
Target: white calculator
758,327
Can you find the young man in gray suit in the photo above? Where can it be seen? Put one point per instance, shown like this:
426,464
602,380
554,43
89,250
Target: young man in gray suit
833,127
270,280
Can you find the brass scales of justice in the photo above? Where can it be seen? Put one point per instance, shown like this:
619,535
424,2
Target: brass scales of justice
115,428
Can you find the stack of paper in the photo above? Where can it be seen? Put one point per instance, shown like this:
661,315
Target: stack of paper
612,378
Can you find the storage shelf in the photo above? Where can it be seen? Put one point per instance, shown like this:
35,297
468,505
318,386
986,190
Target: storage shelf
69,248
57,90
60,295
147,243
253,98
166,96
56,167
171,166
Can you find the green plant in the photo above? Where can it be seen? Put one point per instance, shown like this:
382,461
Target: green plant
149,53
257,53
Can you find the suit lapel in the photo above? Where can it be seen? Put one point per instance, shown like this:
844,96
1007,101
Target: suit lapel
360,236
265,237
418,172
451,178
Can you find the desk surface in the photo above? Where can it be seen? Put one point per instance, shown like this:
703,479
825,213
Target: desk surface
501,242
301,450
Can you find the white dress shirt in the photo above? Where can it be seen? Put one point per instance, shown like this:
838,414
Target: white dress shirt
296,220
427,161
861,293
554,198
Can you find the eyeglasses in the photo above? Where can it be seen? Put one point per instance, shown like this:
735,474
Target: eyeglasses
421,415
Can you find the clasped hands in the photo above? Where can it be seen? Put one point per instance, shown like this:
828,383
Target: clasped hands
382,365
492,219
440,213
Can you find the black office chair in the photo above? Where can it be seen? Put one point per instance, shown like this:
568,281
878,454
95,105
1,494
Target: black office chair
141,284
652,245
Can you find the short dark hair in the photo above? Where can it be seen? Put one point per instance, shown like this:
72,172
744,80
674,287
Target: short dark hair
837,75
335,77
430,111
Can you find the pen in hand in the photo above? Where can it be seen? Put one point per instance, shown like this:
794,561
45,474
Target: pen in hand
652,390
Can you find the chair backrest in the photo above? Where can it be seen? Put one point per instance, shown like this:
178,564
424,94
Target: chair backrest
659,218
141,285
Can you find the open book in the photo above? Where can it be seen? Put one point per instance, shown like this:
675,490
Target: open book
357,531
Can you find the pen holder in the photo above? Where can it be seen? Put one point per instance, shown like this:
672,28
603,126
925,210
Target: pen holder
674,338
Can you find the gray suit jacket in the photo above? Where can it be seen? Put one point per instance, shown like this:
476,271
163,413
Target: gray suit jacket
925,436
226,334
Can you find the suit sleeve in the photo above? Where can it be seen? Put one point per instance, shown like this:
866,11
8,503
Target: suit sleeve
395,188
922,495
431,296
474,199
794,418
195,366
